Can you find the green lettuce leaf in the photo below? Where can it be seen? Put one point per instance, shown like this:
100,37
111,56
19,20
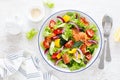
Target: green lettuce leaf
30,34
58,25
93,27
49,4
77,44
47,31
61,64
92,48
75,65
67,33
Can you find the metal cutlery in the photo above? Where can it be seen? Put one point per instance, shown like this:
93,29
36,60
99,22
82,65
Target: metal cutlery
107,25
47,76
101,63
5,74
36,62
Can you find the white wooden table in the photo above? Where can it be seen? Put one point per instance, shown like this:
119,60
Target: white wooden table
95,8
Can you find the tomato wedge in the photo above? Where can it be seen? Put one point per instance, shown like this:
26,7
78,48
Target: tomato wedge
83,48
54,56
52,24
90,33
48,39
88,56
58,31
66,58
83,19
46,44
69,44
88,43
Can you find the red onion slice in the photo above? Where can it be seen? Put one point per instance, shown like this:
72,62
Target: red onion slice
82,56
76,55
55,37
60,18
46,50
77,17
75,25
93,41
58,61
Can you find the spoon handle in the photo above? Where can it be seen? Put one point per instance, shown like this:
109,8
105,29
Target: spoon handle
101,63
108,55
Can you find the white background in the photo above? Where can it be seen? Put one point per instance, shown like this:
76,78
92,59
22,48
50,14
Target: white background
94,8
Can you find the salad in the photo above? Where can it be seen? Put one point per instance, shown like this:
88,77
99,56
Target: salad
70,41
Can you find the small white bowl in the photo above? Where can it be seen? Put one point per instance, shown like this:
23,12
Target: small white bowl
36,13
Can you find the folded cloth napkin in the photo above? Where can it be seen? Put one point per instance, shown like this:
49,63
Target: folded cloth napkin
29,70
1,68
24,63
10,64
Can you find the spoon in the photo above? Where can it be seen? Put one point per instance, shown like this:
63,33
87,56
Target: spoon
107,25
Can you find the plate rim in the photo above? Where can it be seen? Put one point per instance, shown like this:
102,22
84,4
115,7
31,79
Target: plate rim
100,34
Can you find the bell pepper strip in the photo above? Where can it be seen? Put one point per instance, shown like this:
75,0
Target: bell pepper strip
57,42
54,56
66,18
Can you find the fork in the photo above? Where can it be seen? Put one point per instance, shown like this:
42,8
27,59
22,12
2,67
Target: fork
47,76
107,25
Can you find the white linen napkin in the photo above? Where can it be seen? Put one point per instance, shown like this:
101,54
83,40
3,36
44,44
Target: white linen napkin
22,62
10,61
1,68
29,70
31,67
